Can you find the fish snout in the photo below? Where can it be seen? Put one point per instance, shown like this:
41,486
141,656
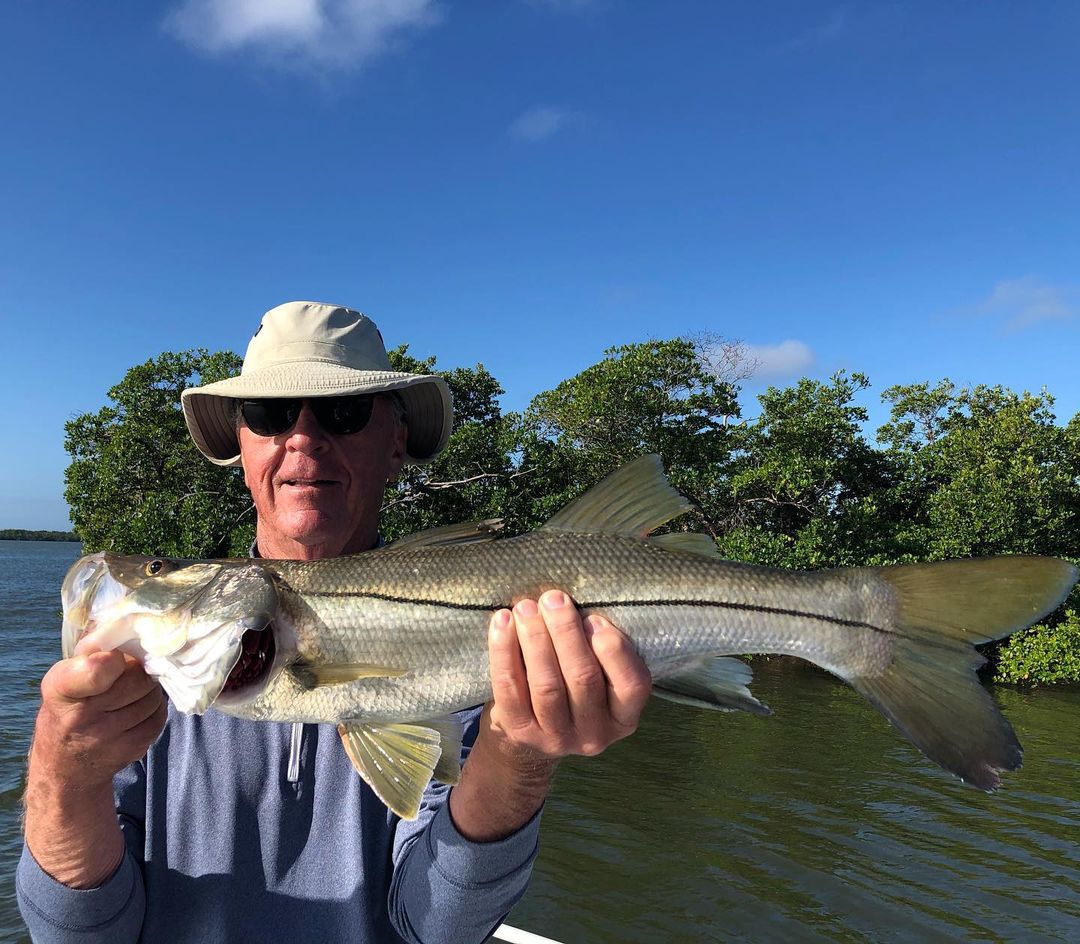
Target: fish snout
78,595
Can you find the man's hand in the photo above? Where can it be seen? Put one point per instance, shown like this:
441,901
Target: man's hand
99,712
560,687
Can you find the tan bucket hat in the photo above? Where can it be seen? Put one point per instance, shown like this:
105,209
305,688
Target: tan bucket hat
310,349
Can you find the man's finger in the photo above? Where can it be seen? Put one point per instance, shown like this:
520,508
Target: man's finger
583,677
629,682
145,733
89,642
132,715
132,685
83,676
509,686
546,689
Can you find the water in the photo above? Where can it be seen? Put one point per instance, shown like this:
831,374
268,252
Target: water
817,824
30,577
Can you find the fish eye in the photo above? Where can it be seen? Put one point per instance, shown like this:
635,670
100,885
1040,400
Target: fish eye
154,568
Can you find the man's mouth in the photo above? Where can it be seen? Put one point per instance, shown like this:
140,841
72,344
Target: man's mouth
308,483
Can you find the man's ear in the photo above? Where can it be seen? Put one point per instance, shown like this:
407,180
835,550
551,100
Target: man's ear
397,453
243,465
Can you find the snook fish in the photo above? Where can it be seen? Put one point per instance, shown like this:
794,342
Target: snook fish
388,643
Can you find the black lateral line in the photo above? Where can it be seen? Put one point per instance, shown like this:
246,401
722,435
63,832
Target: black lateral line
595,605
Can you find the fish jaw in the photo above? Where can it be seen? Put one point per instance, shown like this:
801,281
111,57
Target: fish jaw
83,591
191,628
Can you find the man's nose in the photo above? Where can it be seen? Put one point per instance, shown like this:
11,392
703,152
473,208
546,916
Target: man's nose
306,434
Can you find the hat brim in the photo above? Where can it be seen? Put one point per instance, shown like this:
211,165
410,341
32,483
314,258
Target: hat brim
208,412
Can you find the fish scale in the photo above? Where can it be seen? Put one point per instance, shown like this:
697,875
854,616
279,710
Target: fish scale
379,607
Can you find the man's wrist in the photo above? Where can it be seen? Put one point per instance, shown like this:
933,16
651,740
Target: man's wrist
502,787
523,764
45,773
529,769
70,826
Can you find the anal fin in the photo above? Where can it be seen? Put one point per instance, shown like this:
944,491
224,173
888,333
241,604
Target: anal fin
448,769
719,684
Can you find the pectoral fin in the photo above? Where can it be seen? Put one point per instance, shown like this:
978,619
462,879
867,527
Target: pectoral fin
312,675
398,760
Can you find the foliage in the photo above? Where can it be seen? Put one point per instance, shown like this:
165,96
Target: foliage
21,534
469,479
984,471
665,397
136,482
1043,654
806,488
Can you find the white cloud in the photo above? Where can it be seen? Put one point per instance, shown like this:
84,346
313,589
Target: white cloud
337,33
780,361
1028,300
566,6
824,32
538,123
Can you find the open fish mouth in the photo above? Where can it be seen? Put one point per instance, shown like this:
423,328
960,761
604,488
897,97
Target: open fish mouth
256,661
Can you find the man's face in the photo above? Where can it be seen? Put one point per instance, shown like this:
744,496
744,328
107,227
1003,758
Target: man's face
318,494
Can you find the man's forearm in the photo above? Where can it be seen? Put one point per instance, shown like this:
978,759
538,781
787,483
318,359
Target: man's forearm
72,831
451,886
498,793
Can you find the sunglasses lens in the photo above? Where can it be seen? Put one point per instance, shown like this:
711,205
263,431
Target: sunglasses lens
343,415
270,417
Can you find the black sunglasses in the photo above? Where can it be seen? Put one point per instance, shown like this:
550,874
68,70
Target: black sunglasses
339,416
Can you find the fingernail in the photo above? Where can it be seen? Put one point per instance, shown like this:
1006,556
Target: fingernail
553,600
593,624
501,619
526,607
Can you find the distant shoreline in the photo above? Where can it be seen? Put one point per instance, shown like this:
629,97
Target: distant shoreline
21,534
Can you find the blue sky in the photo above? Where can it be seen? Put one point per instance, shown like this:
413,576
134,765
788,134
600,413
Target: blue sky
879,186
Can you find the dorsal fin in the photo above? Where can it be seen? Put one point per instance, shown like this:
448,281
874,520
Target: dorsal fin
692,542
635,499
468,532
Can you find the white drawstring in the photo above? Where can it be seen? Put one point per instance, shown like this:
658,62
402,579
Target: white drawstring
293,773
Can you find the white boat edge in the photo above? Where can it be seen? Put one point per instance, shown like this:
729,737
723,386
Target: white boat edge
516,936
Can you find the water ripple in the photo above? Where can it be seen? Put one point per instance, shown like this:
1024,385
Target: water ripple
819,824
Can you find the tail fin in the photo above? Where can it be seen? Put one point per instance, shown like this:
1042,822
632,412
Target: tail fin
929,690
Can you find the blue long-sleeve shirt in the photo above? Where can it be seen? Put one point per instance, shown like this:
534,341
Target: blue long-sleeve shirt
222,846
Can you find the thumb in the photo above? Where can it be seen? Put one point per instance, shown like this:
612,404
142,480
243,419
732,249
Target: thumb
84,676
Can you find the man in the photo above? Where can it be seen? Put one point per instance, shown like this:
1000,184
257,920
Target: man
146,824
